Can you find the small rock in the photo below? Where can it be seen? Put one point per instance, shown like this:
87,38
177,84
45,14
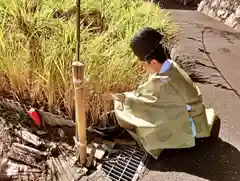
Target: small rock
212,14
99,166
110,150
8,168
3,164
94,163
54,150
79,173
109,143
225,15
237,28
98,175
221,12
230,21
223,4
61,132
215,3
237,12
1,148
202,6
41,133
205,10
91,155
84,178
99,153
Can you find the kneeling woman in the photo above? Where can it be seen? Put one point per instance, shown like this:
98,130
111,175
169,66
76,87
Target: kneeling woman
166,111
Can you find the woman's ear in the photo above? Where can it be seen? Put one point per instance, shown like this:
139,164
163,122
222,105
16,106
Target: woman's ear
154,61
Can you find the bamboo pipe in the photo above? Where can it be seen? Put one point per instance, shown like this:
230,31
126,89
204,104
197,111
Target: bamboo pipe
78,80
78,30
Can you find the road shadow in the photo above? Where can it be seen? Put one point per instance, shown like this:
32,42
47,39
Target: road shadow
212,160
172,4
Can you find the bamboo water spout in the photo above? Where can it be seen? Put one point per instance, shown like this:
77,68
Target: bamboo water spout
78,81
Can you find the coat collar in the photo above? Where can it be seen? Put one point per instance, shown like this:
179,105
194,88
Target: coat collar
166,67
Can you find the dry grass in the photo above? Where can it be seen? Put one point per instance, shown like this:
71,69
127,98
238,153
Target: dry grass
37,47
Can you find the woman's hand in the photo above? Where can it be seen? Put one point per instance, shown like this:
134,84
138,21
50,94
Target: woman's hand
119,97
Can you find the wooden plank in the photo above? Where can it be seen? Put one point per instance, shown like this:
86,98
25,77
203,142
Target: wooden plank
29,137
63,171
23,157
31,151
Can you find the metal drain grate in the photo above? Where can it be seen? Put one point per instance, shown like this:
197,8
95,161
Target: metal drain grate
125,165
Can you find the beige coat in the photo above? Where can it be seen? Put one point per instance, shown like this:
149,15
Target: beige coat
158,115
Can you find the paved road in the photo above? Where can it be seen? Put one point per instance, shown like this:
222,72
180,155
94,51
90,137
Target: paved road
220,160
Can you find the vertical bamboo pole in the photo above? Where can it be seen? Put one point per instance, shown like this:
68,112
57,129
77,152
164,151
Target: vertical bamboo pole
78,30
78,78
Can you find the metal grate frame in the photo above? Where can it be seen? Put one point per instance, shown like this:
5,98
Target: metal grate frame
126,165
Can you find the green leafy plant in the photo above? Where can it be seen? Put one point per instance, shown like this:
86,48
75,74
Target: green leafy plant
38,46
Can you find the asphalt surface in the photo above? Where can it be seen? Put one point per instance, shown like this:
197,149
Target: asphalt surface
214,45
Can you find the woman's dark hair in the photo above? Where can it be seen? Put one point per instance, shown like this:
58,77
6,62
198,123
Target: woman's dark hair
161,54
146,45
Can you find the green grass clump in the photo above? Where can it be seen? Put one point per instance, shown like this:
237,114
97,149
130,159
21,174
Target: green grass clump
37,47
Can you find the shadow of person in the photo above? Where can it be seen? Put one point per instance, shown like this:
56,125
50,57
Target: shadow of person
213,160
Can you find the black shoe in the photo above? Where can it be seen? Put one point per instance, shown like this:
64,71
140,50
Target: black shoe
216,128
